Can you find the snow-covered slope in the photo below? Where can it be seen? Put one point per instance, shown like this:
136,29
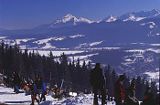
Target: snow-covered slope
9,97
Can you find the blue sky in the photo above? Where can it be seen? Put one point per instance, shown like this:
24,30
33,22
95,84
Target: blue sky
17,14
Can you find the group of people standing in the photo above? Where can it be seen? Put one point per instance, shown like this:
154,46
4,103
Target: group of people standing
123,95
36,88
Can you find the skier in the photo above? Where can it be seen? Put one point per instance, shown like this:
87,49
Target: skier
120,91
131,98
34,92
38,83
44,92
16,82
97,81
149,98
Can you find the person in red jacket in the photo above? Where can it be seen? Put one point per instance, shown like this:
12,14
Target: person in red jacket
120,94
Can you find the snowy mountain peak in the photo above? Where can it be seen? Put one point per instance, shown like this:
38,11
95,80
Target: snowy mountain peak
137,16
69,16
150,14
110,19
66,18
132,17
156,11
81,19
73,19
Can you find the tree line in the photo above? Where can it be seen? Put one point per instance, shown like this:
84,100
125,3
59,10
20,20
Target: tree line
74,76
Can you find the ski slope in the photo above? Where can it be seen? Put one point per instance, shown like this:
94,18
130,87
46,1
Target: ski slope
8,97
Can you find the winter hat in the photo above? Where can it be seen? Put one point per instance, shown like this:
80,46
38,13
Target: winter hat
121,77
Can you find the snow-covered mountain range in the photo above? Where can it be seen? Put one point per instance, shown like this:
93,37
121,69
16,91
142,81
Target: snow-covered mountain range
134,27
133,38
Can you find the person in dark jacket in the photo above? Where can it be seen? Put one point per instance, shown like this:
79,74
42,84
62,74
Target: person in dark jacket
157,99
120,93
41,88
16,82
44,92
97,81
33,89
131,98
149,98
38,83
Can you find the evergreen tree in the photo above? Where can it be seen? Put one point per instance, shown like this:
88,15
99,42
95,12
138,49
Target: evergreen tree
28,64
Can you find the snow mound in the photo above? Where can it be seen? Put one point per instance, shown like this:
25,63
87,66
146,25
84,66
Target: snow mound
82,99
